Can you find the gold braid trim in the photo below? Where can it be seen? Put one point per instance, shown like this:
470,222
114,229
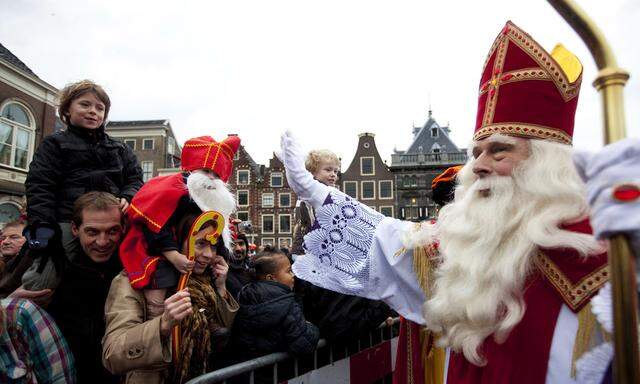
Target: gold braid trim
423,266
588,326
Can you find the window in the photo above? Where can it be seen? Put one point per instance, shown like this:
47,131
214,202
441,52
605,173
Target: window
243,198
366,166
368,190
16,135
268,241
276,179
171,145
284,242
351,188
285,223
131,143
267,224
147,144
147,170
386,210
285,200
386,189
242,216
243,176
267,200
434,132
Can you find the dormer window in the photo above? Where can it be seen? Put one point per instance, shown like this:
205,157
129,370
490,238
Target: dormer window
434,132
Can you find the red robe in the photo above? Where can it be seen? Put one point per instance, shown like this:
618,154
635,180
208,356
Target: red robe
561,276
151,207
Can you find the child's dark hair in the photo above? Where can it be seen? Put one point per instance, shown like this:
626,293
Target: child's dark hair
266,262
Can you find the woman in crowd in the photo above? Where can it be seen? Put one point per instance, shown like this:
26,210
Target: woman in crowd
141,348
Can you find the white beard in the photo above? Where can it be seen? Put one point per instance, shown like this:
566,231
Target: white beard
213,195
487,245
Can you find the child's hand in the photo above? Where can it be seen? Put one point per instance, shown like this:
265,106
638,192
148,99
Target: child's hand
179,261
124,205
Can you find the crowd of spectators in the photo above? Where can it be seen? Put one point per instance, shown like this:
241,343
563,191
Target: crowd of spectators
70,311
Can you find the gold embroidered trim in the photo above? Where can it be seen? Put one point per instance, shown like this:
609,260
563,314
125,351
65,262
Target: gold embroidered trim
492,97
524,130
139,212
547,63
573,294
518,75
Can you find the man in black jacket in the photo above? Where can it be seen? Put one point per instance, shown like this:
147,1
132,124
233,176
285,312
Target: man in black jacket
77,304
238,275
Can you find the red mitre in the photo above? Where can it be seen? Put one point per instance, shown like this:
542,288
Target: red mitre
525,91
205,152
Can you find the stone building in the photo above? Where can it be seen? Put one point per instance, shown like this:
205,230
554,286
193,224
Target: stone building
152,141
430,153
368,178
264,199
27,114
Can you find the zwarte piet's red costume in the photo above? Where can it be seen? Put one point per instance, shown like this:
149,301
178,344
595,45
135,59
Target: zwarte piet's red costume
157,200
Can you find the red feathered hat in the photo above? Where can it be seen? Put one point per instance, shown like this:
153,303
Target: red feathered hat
527,92
205,152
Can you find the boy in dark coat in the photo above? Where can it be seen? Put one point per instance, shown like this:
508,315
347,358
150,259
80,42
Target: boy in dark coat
270,320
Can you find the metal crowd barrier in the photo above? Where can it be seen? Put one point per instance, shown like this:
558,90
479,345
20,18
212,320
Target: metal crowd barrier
325,354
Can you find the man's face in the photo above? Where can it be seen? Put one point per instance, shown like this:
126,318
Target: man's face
239,249
498,156
99,233
13,240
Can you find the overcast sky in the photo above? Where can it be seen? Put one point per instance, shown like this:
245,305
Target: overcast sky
327,70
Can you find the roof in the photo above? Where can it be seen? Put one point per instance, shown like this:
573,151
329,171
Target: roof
6,55
423,141
136,123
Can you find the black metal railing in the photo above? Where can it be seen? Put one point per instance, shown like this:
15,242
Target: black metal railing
282,366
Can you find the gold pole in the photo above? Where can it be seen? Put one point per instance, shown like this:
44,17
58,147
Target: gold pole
610,83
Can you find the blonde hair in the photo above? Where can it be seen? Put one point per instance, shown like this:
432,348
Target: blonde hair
74,90
317,156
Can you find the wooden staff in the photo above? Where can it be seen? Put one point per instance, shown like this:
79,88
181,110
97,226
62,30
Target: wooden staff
610,83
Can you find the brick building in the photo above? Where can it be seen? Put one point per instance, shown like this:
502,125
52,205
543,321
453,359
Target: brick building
430,153
152,141
264,199
368,178
27,114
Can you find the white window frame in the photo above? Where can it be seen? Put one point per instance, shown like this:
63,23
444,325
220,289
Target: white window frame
386,206
273,222
362,189
153,144
373,166
238,177
171,145
290,223
280,201
344,188
243,212
134,141
264,240
238,197
281,179
436,130
144,172
266,194
31,129
380,189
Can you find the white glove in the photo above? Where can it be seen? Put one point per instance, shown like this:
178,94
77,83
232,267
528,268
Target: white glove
300,180
616,164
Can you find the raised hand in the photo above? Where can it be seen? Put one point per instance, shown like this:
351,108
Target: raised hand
299,179
179,261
